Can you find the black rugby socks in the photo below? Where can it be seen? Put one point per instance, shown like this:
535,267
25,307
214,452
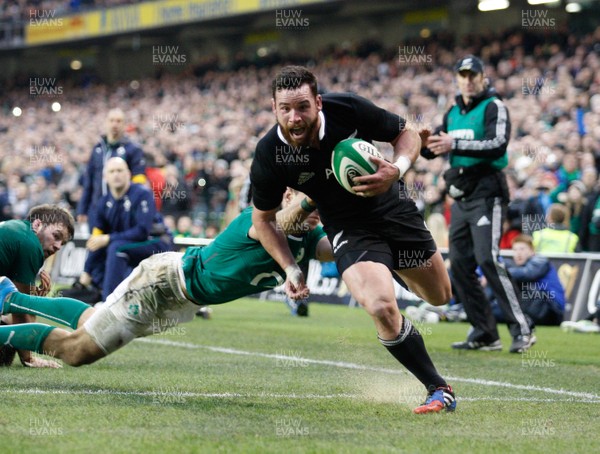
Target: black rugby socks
409,349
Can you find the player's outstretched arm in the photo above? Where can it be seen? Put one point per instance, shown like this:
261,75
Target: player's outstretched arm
28,358
24,355
291,218
275,243
45,285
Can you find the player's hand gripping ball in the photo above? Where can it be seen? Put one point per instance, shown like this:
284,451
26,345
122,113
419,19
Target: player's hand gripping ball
350,158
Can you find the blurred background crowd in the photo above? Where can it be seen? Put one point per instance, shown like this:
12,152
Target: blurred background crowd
14,14
200,127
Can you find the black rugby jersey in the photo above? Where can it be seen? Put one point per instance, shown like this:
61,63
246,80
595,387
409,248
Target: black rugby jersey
277,164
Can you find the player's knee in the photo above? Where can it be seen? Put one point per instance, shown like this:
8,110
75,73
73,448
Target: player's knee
81,351
383,309
76,362
79,358
443,296
75,359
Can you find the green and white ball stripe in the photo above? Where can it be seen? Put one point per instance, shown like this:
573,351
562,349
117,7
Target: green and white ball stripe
350,158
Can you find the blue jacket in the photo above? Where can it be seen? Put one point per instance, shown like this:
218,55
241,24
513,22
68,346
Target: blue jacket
130,218
542,277
93,186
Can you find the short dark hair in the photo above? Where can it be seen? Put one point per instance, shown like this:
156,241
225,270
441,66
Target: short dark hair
291,77
53,214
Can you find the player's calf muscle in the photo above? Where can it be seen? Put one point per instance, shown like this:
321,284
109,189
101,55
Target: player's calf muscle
75,349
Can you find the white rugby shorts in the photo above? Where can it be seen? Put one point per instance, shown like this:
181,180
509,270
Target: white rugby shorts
151,300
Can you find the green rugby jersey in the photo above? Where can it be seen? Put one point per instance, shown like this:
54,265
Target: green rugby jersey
234,265
471,126
21,254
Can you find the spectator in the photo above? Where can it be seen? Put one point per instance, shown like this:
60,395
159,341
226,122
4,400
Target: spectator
21,201
197,230
542,295
211,231
126,230
575,201
590,221
156,178
176,200
556,237
566,173
536,206
170,222
5,207
184,227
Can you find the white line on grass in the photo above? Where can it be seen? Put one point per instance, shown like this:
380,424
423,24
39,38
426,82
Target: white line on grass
112,392
568,400
183,394
345,365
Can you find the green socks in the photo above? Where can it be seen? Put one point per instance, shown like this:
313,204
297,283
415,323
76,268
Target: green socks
26,336
61,310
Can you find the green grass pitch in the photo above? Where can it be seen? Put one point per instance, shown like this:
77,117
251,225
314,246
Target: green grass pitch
255,380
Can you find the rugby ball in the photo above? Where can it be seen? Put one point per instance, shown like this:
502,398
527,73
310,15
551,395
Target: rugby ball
350,158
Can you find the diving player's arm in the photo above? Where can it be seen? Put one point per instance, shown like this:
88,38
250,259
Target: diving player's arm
291,218
27,359
275,243
15,319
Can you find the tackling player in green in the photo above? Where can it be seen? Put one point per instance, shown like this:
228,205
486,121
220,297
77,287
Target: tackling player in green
164,289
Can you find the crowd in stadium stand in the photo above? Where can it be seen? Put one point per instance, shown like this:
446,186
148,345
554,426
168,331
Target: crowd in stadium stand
200,126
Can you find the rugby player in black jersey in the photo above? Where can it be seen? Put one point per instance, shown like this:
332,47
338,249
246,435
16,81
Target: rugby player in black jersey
374,232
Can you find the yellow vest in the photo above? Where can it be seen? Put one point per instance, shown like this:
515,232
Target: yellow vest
552,240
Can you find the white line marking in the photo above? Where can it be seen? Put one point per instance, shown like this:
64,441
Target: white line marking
98,392
563,392
182,394
345,365
568,400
